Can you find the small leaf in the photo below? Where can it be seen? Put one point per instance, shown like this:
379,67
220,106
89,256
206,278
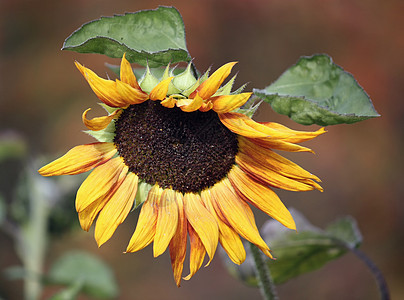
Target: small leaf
317,91
95,276
156,37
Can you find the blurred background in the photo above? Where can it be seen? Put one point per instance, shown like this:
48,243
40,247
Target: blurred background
42,96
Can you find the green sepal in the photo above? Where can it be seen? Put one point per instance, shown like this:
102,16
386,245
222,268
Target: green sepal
143,189
148,81
317,91
105,135
226,89
154,37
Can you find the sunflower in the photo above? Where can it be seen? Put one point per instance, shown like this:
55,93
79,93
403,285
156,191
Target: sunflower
183,145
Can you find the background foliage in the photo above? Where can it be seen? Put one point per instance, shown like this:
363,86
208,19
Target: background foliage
43,97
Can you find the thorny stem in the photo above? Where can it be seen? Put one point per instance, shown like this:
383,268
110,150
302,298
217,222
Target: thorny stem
266,284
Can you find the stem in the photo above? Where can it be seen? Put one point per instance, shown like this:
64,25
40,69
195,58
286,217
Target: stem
266,284
381,282
32,245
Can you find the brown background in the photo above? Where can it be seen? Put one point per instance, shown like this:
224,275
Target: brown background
43,95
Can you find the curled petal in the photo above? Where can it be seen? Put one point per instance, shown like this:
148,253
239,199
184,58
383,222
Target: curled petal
130,94
260,196
190,105
104,89
116,209
159,92
127,75
268,158
227,103
206,106
146,225
167,221
169,102
268,176
99,123
294,136
212,84
178,244
80,159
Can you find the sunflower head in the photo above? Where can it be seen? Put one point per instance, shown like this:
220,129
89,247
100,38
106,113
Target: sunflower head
181,146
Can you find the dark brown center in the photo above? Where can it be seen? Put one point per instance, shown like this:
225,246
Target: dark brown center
187,152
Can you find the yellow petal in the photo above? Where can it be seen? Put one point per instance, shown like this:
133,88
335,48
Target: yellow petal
178,244
228,238
260,196
169,102
190,105
104,89
197,253
212,84
116,209
268,176
262,135
280,145
294,135
80,159
127,75
167,221
159,92
273,160
130,94
88,213
236,212
235,122
146,224
227,103
99,123
202,222
99,183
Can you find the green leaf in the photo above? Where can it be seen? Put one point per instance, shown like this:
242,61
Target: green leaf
306,250
317,91
156,37
95,276
70,293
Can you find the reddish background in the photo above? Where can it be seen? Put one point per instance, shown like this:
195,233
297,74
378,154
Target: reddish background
43,96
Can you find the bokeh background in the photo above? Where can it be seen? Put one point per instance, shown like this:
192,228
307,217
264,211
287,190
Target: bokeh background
42,97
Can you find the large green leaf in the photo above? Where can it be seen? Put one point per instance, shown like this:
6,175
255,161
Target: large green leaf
93,275
317,91
156,37
298,253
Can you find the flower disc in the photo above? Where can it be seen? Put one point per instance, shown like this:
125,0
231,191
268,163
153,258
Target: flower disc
187,152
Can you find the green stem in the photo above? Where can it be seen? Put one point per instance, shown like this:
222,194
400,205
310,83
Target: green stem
381,282
32,246
266,284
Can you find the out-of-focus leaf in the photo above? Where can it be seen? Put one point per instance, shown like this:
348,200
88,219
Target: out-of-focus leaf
156,37
95,276
300,252
70,293
12,146
317,91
